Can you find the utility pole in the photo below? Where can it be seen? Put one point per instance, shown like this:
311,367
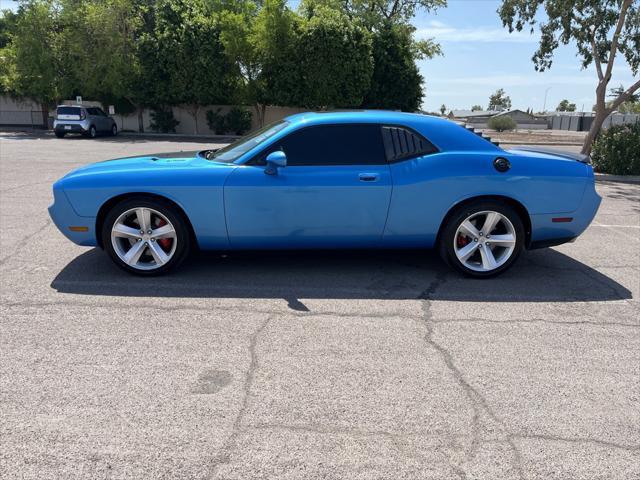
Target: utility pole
544,106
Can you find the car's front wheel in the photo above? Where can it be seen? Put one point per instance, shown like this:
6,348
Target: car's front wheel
482,239
146,237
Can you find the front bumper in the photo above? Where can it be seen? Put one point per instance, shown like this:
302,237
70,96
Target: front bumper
65,218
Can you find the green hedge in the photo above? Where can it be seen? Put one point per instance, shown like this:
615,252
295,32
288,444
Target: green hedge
617,150
237,121
502,123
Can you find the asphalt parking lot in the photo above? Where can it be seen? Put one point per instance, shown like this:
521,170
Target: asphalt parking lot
353,365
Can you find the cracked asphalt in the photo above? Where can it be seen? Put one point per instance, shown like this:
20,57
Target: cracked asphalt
354,365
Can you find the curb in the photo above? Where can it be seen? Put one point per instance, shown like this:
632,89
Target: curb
557,144
605,177
179,135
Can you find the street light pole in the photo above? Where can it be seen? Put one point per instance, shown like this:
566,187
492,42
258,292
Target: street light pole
544,106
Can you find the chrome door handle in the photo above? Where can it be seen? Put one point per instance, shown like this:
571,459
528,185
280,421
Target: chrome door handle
369,177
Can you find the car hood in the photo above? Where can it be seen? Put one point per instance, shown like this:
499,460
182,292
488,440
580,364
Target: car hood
154,162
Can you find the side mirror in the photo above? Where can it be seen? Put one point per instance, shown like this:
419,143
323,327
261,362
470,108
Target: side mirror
274,160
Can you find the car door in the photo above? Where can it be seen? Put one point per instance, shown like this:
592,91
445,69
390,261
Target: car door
103,120
334,192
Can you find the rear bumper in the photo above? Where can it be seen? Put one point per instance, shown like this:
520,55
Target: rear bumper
545,232
71,126
65,218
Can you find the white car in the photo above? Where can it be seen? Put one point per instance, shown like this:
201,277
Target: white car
89,121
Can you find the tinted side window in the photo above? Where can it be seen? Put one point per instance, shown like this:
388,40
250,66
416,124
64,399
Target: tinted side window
334,145
92,111
401,143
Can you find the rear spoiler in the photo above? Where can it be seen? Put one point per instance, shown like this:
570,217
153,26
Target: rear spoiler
580,157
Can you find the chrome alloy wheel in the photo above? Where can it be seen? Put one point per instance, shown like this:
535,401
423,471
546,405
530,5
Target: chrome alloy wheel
484,241
143,238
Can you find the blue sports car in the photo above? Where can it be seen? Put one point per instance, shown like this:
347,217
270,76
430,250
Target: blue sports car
366,179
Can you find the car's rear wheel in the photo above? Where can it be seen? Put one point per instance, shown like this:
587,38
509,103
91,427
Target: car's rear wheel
114,130
60,134
93,133
146,237
482,239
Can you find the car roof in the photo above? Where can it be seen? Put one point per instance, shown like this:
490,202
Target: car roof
365,116
442,132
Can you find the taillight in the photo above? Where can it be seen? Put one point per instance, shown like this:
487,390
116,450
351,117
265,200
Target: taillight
82,115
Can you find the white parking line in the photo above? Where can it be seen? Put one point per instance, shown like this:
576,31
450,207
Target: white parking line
615,226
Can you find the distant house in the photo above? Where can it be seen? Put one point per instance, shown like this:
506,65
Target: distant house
479,118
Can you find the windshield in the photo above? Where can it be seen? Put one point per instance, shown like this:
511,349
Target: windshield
232,152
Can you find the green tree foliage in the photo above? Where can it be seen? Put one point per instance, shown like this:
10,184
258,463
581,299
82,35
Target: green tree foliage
476,108
32,61
565,106
335,63
396,83
388,21
600,29
261,42
137,54
499,101
98,47
190,61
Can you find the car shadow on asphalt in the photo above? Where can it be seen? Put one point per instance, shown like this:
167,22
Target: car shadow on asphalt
539,276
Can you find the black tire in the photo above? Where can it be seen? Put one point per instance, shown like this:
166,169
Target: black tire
93,133
458,216
174,216
114,130
60,134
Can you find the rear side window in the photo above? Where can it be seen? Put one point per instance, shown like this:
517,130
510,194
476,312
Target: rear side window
401,143
68,111
348,144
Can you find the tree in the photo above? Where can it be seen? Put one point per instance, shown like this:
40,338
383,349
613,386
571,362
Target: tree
31,64
334,58
259,39
395,49
190,55
443,108
276,34
476,108
396,83
599,29
107,67
499,101
565,106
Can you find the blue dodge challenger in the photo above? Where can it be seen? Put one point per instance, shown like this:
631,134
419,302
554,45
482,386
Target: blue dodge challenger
367,179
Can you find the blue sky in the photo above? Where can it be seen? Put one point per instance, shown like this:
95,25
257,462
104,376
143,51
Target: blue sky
481,56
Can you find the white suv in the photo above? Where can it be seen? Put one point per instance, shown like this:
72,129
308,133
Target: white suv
84,120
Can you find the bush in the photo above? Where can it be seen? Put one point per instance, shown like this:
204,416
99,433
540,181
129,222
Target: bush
238,120
502,123
217,121
617,150
162,120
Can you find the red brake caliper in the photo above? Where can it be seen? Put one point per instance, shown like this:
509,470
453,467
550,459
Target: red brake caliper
461,241
165,243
